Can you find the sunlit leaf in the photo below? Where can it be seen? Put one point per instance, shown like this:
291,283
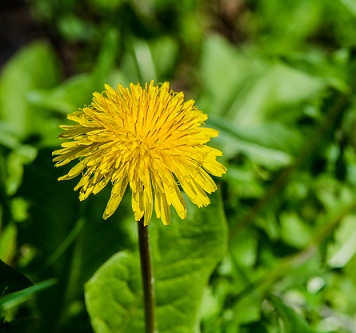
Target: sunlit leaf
254,144
293,322
8,243
184,255
34,67
350,5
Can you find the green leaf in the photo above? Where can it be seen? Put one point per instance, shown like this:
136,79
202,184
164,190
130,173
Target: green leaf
34,67
247,310
11,280
344,247
8,242
164,52
107,56
247,89
255,143
223,70
294,230
61,232
8,138
77,91
10,300
67,97
184,255
113,295
17,159
74,28
293,322
267,94
350,5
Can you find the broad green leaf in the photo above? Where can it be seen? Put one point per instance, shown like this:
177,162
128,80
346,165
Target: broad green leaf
67,97
247,89
184,255
113,295
270,94
235,139
34,67
283,139
223,71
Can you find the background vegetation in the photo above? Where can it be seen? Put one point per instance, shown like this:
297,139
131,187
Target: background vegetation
275,252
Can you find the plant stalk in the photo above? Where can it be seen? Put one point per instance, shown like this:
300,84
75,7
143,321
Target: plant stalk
147,277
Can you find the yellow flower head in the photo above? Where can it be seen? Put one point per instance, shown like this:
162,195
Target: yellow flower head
148,138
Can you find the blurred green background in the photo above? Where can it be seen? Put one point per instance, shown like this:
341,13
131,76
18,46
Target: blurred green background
277,79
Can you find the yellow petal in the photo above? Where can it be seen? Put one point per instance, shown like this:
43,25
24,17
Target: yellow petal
117,193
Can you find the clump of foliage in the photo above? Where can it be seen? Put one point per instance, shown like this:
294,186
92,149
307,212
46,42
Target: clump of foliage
275,252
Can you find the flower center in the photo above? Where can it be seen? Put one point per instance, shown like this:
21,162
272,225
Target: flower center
140,144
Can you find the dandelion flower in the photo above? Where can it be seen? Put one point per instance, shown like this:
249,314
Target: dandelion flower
148,138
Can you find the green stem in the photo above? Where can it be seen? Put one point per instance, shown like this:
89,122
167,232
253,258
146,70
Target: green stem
147,277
